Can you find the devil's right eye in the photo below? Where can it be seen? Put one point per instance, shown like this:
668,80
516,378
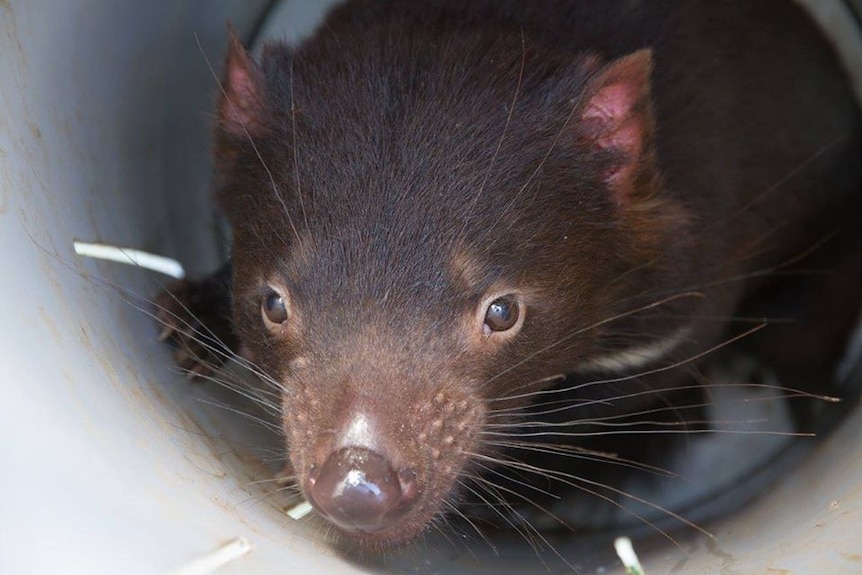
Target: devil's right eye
274,307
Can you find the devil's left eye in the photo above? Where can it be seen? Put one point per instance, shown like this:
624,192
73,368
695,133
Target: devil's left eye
502,314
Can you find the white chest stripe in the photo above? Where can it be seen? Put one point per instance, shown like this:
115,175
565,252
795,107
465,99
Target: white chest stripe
638,356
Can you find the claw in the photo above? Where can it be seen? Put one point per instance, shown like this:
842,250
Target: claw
194,316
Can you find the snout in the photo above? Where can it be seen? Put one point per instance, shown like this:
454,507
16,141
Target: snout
380,469
360,490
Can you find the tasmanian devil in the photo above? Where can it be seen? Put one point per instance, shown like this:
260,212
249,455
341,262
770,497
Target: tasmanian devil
454,221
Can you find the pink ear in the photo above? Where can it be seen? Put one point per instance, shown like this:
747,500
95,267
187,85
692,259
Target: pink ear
241,105
618,117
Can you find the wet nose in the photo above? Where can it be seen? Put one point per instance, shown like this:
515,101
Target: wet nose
358,490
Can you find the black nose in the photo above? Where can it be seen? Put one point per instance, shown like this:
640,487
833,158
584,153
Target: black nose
358,490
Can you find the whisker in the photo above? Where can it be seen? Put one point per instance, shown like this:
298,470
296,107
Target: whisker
621,379
273,409
445,532
629,432
791,393
576,404
209,341
564,450
771,320
266,424
770,271
774,187
535,536
585,329
489,488
570,479
517,481
572,404
263,496
464,517
276,480
635,269
598,421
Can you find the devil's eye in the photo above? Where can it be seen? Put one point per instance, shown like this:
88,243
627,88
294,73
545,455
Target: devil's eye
274,307
502,314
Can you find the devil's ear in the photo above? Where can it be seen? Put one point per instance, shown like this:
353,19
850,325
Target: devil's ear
617,116
241,106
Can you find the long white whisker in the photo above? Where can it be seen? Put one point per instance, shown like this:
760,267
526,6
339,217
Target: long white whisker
530,529
585,329
463,516
624,378
586,455
570,479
